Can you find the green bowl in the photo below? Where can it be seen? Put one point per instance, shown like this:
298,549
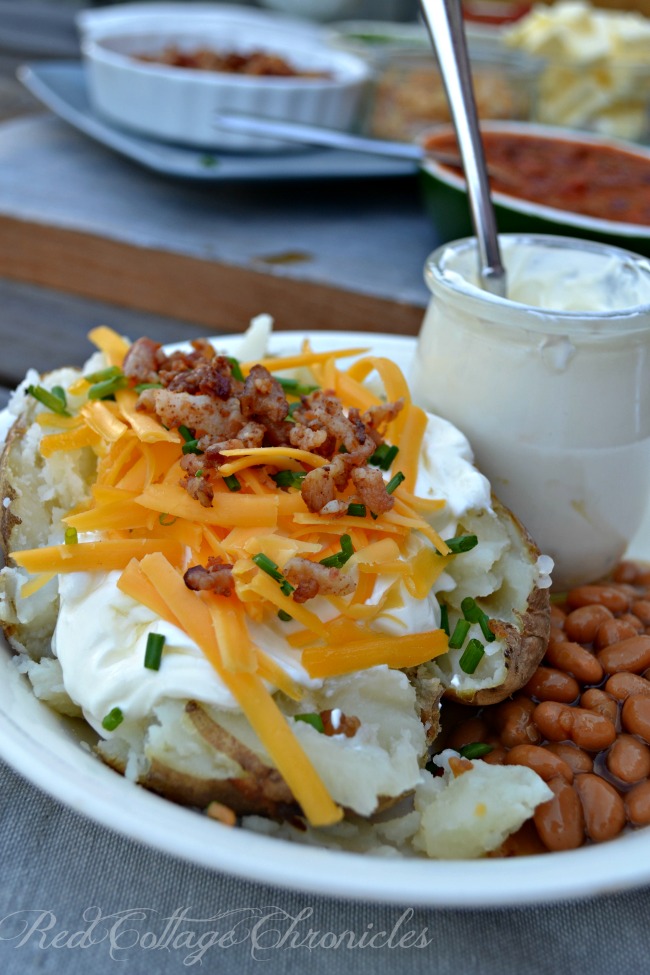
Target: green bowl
446,201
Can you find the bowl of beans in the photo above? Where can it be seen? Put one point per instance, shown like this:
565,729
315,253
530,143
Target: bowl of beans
545,179
169,82
583,720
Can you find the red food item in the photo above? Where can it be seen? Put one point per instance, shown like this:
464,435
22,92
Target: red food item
581,177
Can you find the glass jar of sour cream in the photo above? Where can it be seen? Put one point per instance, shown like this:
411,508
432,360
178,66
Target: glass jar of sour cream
551,386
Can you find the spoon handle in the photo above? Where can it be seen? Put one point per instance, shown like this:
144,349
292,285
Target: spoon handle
444,20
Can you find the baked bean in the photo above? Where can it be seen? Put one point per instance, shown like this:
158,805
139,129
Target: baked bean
560,820
635,716
473,729
582,624
626,571
575,660
592,731
603,808
643,578
629,759
641,609
632,655
575,757
622,685
593,699
497,756
603,595
551,684
613,631
559,722
633,620
637,804
545,763
554,720
514,719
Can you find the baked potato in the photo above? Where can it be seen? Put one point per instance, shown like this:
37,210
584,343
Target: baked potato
367,730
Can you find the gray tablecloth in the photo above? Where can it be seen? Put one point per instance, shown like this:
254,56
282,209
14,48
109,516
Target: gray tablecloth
78,898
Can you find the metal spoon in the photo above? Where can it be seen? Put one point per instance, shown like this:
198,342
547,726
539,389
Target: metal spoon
444,21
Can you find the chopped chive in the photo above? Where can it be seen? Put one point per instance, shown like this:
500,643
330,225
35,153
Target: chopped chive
314,720
70,537
49,399
472,656
395,482
191,447
295,387
200,474
357,510
166,520
59,392
267,565
235,368
457,638
113,719
444,618
289,478
186,434
476,749
340,558
286,588
462,543
110,372
475,614
384,456
343,449
153,652
232,483
140,388
284,616
107,387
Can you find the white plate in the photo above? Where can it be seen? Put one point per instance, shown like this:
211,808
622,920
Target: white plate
61,86
48,751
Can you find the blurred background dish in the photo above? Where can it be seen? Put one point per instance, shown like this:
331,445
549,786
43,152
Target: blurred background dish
548,179
178,104
407,94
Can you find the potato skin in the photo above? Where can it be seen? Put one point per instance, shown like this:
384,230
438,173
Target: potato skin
526,634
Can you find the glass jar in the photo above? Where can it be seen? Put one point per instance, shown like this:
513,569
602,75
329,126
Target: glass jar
551,386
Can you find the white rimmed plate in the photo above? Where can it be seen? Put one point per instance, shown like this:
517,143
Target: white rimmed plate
50,752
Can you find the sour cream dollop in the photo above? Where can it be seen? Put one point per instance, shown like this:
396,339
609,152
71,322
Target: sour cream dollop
101,634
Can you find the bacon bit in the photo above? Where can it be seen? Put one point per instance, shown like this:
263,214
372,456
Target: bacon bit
318,488
219,419
214,577
377,418
263,396
200,489
141,361
460,765
206,379
372,490
337,723
307,438
223,814
312,579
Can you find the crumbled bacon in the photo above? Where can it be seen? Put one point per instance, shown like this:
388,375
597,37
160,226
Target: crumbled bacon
372,490
263,396
220,419
312,579
318,488
141,361
214,577
200,489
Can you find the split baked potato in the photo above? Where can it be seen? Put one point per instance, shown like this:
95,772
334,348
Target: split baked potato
196,751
